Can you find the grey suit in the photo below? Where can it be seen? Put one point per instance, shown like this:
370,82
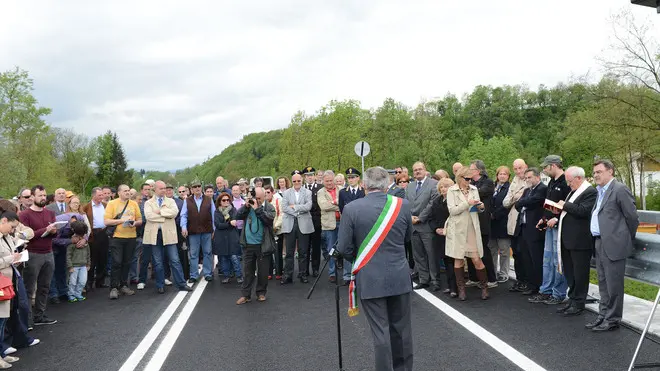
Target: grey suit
54,207
617,221
426,262
383,285
397,191
297,225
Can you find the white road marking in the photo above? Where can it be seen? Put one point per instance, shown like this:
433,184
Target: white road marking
500,346
166,345
142,349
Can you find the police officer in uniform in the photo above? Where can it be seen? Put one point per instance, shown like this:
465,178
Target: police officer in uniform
382,279
315,239
352,192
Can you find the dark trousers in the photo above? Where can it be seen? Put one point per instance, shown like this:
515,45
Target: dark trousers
183,254
532,257
390,322
611,277
576,264
254,260
487,259
279,261
99,257
409,255
518,266
122,250
449,272
18,321
303,249
37,274
314,254
58,286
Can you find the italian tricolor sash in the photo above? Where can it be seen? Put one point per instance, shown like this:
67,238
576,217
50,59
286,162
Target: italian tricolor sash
371,244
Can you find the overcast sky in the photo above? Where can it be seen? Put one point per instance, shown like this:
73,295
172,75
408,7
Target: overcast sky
179,81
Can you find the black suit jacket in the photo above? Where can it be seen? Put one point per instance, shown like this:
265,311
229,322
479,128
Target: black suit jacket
499,214
576,224
316,210
397,191
437,219
346,196
486,187
533,201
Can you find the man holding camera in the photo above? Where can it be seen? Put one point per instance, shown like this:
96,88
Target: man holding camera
258,243
372,234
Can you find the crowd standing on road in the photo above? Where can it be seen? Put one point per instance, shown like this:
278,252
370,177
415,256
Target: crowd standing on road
260,232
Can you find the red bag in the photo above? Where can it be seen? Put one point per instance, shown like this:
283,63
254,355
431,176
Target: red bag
6,288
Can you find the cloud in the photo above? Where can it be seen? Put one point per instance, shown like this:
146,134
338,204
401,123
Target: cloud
181,81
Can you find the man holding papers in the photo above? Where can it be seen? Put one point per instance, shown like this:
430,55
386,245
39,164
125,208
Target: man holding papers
575,244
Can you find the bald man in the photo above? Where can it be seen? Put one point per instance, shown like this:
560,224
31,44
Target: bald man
516,190
59,206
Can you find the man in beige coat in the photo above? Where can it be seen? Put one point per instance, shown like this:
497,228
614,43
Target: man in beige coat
160,232
516,189
328,199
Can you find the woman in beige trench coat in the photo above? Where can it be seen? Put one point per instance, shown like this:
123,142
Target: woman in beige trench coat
463,231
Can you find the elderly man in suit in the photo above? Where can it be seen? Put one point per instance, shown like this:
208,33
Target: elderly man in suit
515,192
59,206
297,225
574,240
381,276
613,225
421,194
160,232
530,238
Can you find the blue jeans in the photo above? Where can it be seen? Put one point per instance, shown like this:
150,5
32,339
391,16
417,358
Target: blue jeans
158,258
144,262
197,242
58,285
228,262
77,281
19,323
553,282
133,272
329,238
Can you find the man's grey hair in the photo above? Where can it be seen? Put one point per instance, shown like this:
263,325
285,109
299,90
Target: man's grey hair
534,171
576,172
329,172
376,179
96,189
481,166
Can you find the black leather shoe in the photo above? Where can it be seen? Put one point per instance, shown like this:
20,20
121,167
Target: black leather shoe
185,288
304,279
514,287
564,308
420,286
315,273
597,322
604,327
54,300
573,311
161,290
286,281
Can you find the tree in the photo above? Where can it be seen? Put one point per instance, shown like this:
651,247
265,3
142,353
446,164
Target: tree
494,152
75,153
111,161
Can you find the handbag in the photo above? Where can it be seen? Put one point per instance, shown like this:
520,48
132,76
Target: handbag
110,230
6,288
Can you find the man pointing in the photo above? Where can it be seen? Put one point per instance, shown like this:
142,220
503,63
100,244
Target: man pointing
372,235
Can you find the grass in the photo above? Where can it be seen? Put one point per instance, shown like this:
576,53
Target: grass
632,287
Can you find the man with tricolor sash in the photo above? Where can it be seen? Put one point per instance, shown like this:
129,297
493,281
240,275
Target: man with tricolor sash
372,234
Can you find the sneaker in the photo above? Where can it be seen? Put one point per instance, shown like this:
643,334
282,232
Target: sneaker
10,359
81,298
492,285
168,282
208,278
30,328
192,281
553,301
141,285
54,300
239,280
72,300
4,365
501,278
470,283
225,280
126,291
34,342
44,321
114,294
539,298
10,350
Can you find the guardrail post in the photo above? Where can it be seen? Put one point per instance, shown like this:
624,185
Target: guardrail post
641,339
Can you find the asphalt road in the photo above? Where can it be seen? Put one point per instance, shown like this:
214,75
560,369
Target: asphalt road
288,332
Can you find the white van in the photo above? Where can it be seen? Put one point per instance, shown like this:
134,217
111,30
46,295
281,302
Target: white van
267,180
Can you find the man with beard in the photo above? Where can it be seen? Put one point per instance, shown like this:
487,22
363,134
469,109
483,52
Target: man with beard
38,273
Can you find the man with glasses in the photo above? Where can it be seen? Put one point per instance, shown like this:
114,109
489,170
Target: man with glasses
297,225
25,199
197,225
182,193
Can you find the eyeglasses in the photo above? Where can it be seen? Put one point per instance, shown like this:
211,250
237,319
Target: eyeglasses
224,200
296,181
26,197
196,186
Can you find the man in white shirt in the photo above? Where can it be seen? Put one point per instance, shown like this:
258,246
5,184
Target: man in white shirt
297,225
59,206
98,239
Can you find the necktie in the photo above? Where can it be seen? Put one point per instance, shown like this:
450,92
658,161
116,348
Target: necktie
62,207
419,186
160,202
354,192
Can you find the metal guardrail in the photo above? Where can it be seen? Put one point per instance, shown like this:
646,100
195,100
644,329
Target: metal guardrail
644,263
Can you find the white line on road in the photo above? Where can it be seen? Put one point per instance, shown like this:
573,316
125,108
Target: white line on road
142,349
500,346
166,345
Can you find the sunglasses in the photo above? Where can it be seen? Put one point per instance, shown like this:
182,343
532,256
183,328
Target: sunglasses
467,179
404,181
398,172
26,197
196,187
224,200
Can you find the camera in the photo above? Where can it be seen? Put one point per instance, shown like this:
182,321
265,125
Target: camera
339,259
253,192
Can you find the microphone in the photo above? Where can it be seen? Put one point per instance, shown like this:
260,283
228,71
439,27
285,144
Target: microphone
339,258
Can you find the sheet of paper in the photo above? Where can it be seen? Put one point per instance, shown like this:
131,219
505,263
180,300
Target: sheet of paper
24,257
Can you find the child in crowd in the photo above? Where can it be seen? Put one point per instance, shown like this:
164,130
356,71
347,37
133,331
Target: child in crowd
78,261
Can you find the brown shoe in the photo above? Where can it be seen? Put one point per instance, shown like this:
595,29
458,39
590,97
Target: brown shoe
242,300
483,283
261,298
332,279
460,282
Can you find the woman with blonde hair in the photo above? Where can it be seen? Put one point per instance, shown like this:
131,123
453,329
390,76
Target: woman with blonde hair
437,221
464,232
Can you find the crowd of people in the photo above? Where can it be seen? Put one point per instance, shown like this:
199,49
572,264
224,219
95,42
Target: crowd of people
464,225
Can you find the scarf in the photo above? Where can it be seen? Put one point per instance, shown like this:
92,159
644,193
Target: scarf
583,187
225,211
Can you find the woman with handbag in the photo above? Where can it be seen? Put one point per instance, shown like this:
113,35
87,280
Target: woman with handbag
8,223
